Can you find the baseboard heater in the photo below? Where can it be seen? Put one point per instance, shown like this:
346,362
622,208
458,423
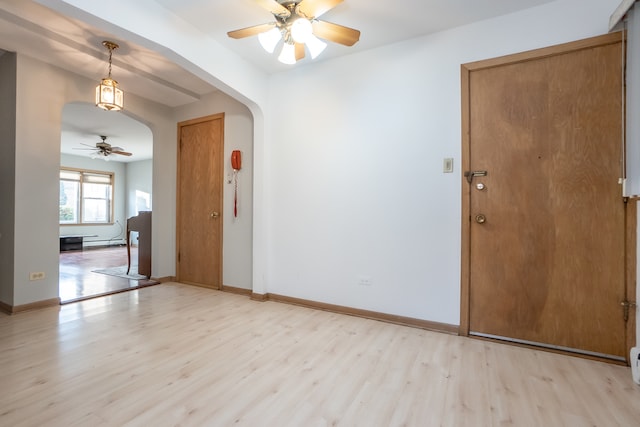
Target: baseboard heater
549,346
73,242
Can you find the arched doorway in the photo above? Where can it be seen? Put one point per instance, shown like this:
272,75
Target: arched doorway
100,187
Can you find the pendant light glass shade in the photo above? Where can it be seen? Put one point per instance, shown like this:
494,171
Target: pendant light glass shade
270,39
108,95
288,54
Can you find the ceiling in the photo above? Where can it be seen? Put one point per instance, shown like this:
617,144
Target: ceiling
380,22
34,30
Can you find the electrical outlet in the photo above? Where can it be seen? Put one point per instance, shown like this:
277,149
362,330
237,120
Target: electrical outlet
364,281
37,275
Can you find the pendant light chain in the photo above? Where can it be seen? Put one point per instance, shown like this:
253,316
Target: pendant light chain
110,54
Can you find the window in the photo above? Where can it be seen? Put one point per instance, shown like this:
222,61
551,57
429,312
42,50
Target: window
143,201
85,197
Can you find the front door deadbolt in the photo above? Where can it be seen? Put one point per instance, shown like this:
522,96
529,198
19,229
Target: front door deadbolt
471,174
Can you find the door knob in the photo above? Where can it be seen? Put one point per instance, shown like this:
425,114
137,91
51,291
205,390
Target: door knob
214,215
481,219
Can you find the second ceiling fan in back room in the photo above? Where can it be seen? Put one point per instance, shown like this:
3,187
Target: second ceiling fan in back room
103,149
297,25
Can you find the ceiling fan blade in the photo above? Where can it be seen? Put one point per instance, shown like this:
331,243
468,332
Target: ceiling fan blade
314,8
79,148
299,51
274,7
122,153
336,33
250,31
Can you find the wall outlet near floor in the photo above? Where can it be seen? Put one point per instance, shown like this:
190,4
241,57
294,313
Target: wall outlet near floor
364,281
36,275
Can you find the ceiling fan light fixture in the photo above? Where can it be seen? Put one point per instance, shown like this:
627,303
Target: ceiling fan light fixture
315,46
288,54
301,30
270,39
108,95
297,25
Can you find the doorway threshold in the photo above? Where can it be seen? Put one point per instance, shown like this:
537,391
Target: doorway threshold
558,348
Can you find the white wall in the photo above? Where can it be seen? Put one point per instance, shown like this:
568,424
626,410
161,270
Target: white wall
38,118
109,233
139,177
356,187
237,231
8,65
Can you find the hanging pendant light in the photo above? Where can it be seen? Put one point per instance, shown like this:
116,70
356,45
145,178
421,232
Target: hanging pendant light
108,95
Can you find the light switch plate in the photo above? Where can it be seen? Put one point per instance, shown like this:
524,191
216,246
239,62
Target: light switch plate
447,165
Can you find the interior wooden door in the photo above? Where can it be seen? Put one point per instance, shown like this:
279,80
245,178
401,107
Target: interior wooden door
545,229
200,191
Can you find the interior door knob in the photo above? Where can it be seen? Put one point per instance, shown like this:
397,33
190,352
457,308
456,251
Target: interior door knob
214,215
481,219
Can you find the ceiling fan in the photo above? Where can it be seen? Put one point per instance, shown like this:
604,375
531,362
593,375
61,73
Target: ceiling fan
104,149
297,24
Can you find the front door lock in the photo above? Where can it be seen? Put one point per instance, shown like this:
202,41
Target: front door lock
471,174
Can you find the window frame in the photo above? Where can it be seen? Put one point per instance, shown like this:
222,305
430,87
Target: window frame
83,174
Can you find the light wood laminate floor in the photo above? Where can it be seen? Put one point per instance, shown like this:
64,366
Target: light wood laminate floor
173,354
78,281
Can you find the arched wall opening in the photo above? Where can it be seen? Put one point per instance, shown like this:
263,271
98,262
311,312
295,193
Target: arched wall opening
42,92
97,218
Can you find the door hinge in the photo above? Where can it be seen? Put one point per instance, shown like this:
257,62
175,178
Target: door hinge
178,256
625,308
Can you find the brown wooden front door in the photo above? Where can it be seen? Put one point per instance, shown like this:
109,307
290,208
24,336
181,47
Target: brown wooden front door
544,230
199,213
